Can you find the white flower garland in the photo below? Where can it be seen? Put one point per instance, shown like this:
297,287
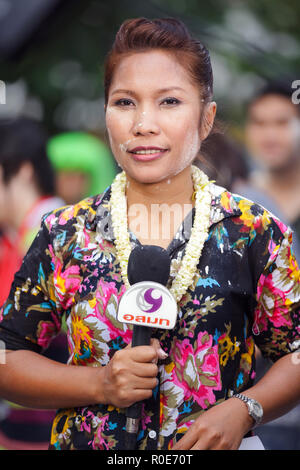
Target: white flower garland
199,232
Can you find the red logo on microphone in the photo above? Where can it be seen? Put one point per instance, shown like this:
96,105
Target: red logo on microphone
141,305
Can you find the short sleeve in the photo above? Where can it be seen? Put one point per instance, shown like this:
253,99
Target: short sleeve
29,319
276,325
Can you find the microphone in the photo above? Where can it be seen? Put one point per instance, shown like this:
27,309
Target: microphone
147,304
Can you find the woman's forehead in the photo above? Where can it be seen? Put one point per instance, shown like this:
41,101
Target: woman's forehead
154,69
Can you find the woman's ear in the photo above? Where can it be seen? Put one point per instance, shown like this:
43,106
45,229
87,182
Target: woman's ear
207,119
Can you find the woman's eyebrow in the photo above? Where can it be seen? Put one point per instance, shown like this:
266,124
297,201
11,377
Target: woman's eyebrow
158,92
122,90
164,90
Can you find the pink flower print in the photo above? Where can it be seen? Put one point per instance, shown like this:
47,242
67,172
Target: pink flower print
99,442
260,321
272,302
46,330
50,220
280,224
66,215
272,249
66,282
86,237
145,419
103,296
197,369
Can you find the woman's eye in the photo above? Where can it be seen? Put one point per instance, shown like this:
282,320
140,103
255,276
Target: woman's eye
123,102
170,101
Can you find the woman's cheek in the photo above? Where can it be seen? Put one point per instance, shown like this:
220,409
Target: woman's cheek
119,127
190,147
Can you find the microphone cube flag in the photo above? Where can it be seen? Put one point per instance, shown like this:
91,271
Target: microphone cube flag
148,303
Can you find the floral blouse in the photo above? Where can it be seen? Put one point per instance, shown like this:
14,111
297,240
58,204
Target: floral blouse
246,291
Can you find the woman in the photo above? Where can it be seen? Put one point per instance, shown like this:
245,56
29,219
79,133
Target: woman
233,276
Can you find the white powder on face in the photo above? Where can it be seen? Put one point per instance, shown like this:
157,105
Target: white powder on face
109,136
189,148
112,148
141,123
124,146
189,151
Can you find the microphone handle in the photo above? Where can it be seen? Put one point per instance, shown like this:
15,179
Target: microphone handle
141,337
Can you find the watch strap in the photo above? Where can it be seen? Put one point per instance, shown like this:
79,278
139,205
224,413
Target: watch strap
247,401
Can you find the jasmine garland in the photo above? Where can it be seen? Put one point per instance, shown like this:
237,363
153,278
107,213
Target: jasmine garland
199,233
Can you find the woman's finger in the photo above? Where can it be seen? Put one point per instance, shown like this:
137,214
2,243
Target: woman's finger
187,441
161,354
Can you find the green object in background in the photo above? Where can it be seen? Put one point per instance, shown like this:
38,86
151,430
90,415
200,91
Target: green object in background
79,151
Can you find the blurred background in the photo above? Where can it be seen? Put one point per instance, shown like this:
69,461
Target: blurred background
51,71
51,52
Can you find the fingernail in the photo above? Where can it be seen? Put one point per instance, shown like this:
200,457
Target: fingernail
162,353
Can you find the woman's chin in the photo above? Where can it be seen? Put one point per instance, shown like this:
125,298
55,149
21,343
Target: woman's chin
154,172
153,178
146,174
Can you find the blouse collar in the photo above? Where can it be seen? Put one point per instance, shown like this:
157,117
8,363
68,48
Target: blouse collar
223,205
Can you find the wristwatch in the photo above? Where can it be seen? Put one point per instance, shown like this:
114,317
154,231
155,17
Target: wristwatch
255,409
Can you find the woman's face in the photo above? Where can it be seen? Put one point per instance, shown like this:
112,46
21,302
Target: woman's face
153,116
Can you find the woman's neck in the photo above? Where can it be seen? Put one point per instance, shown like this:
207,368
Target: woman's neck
176,189
155,211
22,205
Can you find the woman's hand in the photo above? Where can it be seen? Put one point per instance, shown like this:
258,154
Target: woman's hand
221,427
35,381
130,376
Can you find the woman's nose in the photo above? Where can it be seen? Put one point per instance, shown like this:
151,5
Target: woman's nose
146,123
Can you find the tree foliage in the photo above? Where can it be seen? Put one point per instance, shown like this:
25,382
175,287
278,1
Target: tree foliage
61,69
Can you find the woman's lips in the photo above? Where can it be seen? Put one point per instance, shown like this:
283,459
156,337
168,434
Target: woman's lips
146,154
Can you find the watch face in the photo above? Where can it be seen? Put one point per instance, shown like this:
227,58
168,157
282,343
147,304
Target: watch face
257,410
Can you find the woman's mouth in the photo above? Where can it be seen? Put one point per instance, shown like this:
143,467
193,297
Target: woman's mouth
146,154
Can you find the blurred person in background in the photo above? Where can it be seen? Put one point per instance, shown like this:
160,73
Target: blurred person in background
83,165
26,194
223,160
272,137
